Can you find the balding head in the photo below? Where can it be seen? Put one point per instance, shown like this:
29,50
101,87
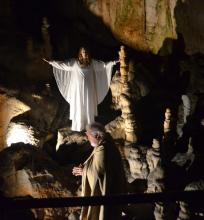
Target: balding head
96,133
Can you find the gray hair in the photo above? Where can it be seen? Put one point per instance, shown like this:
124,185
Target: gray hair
97,130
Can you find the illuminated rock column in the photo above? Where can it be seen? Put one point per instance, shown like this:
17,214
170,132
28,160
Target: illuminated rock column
125,100
169,136
167,121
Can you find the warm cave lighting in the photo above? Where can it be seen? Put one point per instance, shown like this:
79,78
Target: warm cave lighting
20,133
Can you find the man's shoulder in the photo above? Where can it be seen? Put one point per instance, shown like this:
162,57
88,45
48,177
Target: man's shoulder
97,62
99,149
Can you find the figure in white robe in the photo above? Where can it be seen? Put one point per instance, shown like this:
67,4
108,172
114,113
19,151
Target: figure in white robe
83,87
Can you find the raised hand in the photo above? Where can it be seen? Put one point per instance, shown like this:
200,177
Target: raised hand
45,60
77,171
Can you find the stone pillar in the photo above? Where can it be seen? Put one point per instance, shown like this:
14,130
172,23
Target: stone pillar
153,155
125,100
169,136
123,65
167,121
156,178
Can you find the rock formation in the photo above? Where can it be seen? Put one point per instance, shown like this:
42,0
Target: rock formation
27,115
148,25
124,100
28,172
156,177
169,135
9,108
154,74
143,25
188,210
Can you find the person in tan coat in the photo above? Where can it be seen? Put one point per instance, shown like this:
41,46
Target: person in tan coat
102,174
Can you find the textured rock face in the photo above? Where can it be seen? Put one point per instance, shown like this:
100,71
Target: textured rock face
26,171
145,25
190,210
189,16
9,108
136,162
21,132
140,24
25,116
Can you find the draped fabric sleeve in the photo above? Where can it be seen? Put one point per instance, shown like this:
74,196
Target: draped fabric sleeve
63,74
103,72
61,65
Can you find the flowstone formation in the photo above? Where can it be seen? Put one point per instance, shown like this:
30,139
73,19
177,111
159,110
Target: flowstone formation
153,25
143,25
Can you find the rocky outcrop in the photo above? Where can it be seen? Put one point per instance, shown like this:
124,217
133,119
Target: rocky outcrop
145,25
136,158
9,107
190,210
142,25
72,147
148,25
28,172
27,115
22,132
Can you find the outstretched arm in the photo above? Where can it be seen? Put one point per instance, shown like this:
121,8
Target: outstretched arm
45,60
112,63
59,65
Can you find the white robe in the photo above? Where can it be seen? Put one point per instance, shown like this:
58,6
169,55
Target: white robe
82,88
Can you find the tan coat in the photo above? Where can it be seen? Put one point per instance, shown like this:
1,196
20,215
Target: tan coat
103,174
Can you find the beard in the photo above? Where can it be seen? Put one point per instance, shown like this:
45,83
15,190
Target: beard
84,62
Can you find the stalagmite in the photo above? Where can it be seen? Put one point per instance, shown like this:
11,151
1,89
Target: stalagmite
153,155
155,180
167,121
124,127
125,100
169,136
